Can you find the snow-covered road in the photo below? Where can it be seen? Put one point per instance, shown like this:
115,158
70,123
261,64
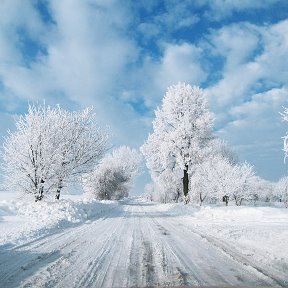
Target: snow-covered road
135,244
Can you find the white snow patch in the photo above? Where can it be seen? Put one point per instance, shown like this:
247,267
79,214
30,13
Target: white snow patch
24,220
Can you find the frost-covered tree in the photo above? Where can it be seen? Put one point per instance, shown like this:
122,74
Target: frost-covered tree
49,147
242,173
218,178
82,145
181,135
28,162
203,183
281,190
261,189
149,192
213,175
113,177
221,173
167,186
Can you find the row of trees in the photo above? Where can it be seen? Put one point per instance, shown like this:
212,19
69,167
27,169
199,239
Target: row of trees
52,147
187,161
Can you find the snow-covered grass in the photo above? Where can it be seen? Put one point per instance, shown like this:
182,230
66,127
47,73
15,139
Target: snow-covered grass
23,220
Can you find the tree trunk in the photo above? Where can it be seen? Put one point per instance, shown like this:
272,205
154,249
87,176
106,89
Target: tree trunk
60,186
202,199
240,201
40,194
225,199
186,184
177,195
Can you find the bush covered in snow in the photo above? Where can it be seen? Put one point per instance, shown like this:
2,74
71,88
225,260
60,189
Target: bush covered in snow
113,177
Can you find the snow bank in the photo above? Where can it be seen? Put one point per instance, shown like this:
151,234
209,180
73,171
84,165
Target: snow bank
23,220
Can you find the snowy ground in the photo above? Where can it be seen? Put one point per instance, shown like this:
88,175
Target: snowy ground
137,243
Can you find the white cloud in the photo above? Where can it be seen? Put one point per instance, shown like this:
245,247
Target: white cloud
149,30
180,63
17,13
88,50
85,50
261,104
248,68
256,130
236,43
274,59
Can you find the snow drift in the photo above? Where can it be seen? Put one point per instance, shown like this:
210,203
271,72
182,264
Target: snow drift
24,220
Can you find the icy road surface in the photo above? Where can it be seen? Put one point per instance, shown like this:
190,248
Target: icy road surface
135,244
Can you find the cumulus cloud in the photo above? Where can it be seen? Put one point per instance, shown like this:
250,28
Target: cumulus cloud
254,59
90,52
255,130
180,63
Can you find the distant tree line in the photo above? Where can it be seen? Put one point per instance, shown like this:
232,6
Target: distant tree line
52,147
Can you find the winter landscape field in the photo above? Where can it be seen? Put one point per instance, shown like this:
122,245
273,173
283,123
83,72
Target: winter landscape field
143,143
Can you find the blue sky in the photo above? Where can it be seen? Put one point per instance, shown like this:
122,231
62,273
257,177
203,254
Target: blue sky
120,56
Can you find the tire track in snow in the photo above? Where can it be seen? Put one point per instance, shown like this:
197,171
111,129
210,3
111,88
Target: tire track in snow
70,243
134,247
260,278
169,267
228,250
174,268
100,278
97,257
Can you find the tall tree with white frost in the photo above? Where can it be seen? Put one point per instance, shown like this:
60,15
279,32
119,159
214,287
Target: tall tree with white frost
182,132
49,147
82,146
